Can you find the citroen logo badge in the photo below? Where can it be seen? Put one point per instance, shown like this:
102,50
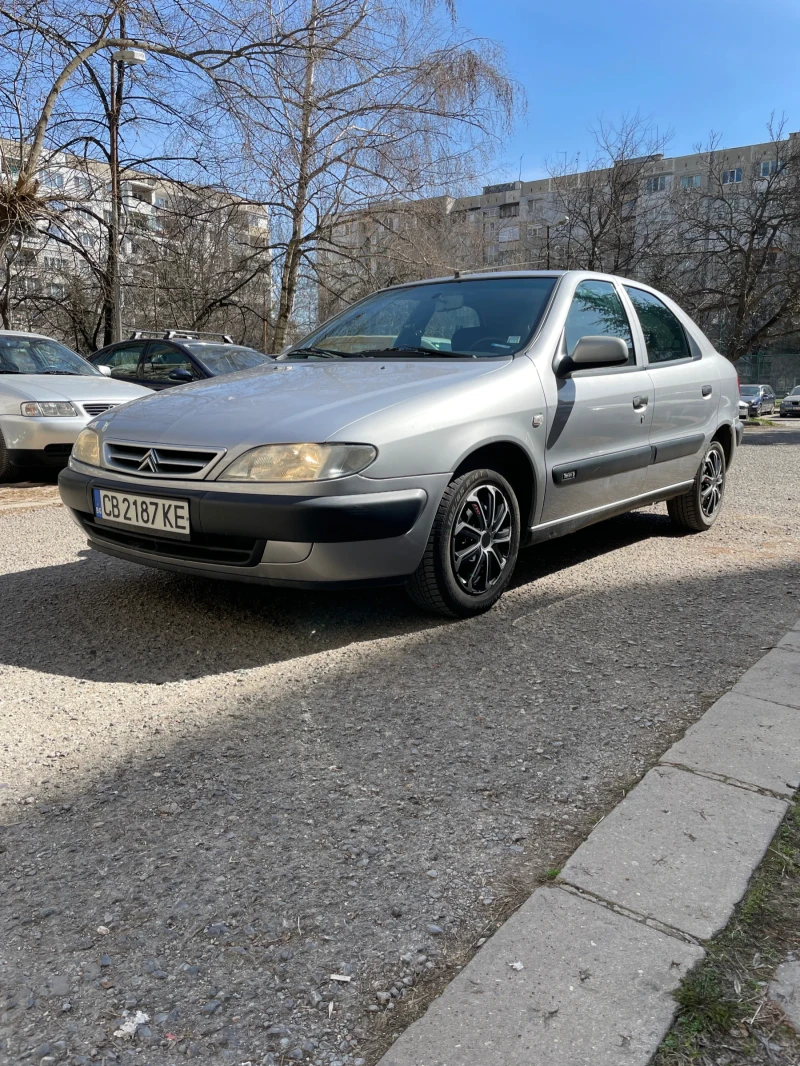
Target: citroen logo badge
148,464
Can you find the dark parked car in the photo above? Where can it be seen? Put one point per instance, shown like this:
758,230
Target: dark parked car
790,405
760,399
175,357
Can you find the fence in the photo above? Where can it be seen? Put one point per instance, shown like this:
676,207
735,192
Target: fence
781,370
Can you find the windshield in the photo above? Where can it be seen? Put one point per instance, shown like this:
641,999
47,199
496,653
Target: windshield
38,355
795,391
480,318
748,390
226,358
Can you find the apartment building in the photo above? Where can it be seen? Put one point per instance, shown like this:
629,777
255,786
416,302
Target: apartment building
521,224
72,235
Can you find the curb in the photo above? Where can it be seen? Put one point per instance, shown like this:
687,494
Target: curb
30,504
583,973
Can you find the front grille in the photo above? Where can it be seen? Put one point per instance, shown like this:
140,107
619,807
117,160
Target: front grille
202,548
95,409
159,460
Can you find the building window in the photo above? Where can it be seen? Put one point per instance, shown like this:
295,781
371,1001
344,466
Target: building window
690,181
509,210
81,184
770,167
732,177
510,233
51,179
657,183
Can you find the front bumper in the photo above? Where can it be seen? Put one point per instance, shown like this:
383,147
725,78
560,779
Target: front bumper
277,538
38,440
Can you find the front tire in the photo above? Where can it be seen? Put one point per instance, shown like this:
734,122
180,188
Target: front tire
7,468
697,509
472,548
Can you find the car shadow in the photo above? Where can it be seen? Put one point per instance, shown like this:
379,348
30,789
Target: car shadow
102,619
290,833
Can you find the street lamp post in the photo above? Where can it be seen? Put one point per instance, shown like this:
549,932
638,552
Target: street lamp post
119,60
553,225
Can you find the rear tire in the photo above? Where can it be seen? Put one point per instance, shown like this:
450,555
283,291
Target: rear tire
472,548
697,509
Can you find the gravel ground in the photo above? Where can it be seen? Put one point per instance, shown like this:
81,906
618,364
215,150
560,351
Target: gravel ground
215,797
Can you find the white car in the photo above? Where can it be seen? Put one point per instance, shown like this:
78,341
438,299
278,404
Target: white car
47,395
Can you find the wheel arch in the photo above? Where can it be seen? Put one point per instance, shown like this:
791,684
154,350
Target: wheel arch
726,437
513,462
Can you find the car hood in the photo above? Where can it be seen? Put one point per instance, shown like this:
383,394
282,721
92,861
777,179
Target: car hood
285,402
83,388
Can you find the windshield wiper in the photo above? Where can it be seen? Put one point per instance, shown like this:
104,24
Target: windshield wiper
70,373
321,353
412,349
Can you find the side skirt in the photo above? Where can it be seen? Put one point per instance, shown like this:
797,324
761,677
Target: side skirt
562,526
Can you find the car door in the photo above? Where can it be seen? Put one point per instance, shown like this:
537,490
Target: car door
161,359
597,448
123,360
686,391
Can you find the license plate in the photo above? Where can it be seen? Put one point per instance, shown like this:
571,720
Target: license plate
142,512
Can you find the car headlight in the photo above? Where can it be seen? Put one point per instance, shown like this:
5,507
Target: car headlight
299,462
49,409
86,448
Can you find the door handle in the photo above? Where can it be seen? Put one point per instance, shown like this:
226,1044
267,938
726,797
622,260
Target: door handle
706,390
639,403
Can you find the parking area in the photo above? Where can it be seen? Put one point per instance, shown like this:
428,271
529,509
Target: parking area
213,798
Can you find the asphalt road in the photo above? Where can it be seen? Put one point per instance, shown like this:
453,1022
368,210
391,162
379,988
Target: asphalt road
215,797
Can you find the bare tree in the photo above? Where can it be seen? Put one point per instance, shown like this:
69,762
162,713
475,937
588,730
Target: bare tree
602,221
63,97
369,111
735,256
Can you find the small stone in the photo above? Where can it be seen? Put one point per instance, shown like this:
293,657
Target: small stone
58,985
314,998
211,1007
383,998
397,912
434,930
433,874
105,960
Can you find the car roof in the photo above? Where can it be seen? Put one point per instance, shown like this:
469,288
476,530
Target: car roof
25,333
486,275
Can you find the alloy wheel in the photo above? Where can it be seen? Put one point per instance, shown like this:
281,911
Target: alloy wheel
481,540
712,483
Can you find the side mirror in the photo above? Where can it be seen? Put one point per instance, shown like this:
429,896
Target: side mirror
594,353
181,374
104,370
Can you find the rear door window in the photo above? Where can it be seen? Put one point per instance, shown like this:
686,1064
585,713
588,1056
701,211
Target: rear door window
663,334
161,359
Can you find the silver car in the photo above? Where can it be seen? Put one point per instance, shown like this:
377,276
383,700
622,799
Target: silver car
47,395
422,437
790,405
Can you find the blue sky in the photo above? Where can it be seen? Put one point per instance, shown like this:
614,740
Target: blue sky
689,65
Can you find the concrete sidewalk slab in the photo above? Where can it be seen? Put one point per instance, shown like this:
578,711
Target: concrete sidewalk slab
791,640
594,990
747,739
776,677
679,849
